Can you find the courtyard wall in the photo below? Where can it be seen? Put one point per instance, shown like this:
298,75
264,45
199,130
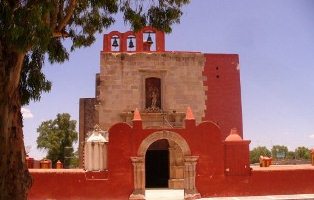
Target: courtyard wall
213,175
78,184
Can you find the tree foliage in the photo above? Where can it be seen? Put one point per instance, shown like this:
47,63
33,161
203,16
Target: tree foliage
279,151
57,137
39,28
257,152
290,155
33,82
302,153
75,160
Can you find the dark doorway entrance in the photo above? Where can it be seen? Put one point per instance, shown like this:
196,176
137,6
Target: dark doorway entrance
157,165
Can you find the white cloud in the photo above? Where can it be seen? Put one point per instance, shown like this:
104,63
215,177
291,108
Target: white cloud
27,114
312,136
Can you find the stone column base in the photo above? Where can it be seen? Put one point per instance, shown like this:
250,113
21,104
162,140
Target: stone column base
137,197
192,196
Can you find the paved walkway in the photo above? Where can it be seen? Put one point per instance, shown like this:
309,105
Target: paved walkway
167,194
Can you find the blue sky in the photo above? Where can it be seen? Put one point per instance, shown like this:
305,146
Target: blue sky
275,42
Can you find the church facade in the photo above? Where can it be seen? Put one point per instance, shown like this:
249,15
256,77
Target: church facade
167,111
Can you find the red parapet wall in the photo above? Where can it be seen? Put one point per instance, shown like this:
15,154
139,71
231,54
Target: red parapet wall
77,184
65,184
282,180
262,181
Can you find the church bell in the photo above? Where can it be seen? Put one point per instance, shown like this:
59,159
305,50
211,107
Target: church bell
115,42
149,39
131,45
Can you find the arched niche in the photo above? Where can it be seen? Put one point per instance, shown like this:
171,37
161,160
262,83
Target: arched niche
115,39
131,43
129,38
153,94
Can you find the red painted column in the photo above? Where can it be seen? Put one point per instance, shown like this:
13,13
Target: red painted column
160,41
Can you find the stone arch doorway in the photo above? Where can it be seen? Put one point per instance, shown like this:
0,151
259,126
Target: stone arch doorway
190,161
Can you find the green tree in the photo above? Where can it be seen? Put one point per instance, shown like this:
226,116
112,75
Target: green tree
74,161
257,152
290,155
279,151
302,153
33,29
57,137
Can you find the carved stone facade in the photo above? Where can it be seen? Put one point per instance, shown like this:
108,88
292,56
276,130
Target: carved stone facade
124,76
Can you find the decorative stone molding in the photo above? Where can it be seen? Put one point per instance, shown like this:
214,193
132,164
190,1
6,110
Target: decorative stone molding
170,119
172,136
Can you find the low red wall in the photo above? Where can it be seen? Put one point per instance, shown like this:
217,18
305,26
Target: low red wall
282,181
274,180
78,184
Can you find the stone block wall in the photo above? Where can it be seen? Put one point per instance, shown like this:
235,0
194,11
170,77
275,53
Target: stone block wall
122,83
87,121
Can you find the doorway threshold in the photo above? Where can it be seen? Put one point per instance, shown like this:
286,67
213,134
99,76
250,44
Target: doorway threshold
164,194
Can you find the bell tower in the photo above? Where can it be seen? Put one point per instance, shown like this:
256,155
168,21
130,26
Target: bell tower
148,39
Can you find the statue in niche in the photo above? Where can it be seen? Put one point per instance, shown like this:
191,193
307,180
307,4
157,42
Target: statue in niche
152,93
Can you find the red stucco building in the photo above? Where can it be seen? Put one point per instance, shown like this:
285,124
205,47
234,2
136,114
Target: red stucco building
174,120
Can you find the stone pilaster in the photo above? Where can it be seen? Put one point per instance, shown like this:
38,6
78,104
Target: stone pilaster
176,179
139,180
190,191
